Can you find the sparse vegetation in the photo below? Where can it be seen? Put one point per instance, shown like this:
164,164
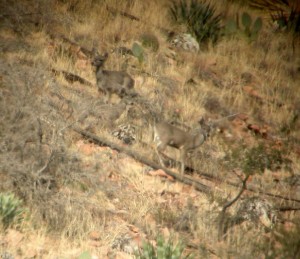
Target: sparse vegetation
96,194
283,243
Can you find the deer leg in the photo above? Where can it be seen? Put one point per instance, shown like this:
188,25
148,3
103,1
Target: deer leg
159,149
182,157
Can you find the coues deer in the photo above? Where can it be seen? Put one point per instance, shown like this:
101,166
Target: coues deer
166,134
112,82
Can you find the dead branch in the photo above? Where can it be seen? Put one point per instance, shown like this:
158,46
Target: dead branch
103,141
249,187
287,209
70,77
135,18
230,203
187,180
85,51
127,15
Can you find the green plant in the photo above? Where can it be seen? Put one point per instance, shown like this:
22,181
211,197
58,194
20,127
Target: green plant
85,255
247,29
256,159
10,209
163,250
138,52
199,17
149,40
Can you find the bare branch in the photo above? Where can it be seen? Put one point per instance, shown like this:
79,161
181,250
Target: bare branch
228,204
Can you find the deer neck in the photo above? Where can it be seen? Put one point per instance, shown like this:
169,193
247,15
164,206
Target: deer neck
99,70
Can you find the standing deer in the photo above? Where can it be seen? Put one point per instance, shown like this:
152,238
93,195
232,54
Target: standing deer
168,135
112,82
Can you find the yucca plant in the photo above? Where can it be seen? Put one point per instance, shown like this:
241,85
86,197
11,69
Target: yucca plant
10,209
165,249
199,17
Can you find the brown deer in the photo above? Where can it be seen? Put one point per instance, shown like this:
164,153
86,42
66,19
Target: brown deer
112,82
166,134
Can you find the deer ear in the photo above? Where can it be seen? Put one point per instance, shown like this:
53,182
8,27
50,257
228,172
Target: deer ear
95,52
105,55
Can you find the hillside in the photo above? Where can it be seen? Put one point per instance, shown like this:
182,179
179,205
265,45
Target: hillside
86,180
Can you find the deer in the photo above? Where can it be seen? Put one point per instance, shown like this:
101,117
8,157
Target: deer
166,134
112,82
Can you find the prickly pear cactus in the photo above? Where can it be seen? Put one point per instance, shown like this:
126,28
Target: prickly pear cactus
138,52
247,29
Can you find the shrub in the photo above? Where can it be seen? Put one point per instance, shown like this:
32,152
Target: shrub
150,41
199,17
256,159
10,210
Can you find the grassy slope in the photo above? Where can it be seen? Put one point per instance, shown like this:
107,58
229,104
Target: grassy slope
93,198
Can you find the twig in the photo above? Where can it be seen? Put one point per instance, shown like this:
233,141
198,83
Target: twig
228,204
135,18
287,209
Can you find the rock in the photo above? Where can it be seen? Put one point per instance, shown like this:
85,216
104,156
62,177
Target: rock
256,209
126,133
94,235
186,42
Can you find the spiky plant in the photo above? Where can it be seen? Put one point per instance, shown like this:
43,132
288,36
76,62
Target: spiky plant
10,209
164,249
199,17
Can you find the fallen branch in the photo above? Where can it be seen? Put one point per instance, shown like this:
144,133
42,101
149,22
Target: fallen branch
135,18
249,187
287,209
85,51
187,180
103,141
70,77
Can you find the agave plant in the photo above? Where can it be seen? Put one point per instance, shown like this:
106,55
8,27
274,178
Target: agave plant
164,249
199,17
10,209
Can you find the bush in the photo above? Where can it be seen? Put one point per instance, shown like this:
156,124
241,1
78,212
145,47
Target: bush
200,18
256,159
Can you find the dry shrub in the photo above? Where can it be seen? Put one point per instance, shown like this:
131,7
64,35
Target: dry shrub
35,161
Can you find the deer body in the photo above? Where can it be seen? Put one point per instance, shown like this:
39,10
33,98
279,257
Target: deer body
112,82
169,135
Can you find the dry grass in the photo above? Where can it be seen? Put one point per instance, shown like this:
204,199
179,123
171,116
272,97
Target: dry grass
85,188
